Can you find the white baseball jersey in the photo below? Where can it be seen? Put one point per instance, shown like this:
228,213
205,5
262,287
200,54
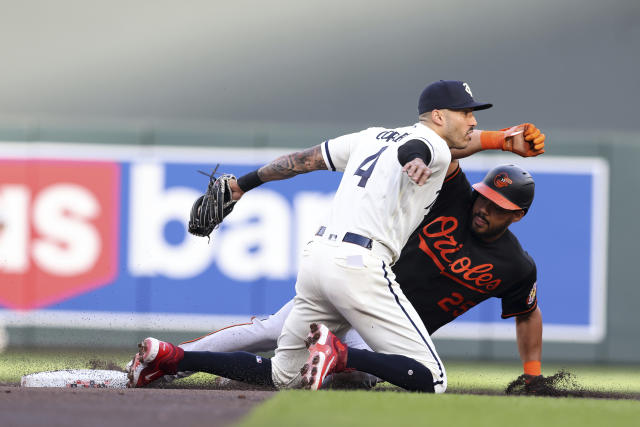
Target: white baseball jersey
376,199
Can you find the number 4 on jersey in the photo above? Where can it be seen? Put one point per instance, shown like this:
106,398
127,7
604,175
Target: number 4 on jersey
364,174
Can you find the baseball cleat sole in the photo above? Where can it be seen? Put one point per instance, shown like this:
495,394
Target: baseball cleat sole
148,349
147,352
133,371
317,365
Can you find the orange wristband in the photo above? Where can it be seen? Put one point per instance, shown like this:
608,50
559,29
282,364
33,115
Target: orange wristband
491,140
532,367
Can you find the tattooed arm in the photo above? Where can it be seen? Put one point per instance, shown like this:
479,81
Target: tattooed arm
293,164
283,167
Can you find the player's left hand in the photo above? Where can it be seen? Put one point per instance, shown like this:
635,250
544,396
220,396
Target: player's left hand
532,379
525,140
208,211
417,171
533,385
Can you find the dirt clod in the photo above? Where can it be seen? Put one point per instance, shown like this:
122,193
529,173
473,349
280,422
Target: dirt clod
560,384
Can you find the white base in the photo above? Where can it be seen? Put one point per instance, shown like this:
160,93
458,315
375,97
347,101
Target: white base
76,378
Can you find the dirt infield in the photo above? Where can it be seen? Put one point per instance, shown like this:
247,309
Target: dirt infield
198,405
21,407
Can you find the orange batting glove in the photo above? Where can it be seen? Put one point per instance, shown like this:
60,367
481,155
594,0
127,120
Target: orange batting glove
525,140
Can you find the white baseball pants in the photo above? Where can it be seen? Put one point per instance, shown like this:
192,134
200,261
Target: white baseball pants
344,285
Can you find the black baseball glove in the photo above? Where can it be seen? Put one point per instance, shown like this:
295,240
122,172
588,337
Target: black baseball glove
210,209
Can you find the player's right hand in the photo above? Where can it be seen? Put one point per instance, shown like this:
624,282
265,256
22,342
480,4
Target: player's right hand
417,171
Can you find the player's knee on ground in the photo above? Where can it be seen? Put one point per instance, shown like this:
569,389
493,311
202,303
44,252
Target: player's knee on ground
439,380
285,368
439,375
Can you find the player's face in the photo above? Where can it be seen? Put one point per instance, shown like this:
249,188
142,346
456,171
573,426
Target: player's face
458,125
489,221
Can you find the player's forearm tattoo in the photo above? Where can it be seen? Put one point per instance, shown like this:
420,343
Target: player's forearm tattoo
293,164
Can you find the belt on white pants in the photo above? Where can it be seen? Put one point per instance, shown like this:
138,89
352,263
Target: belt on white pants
357,239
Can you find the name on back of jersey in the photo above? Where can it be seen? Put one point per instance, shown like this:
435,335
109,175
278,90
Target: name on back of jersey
391,135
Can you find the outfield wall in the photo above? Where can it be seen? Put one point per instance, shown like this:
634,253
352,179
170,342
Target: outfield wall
95,251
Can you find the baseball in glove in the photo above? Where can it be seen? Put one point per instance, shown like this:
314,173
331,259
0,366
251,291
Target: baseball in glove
210,209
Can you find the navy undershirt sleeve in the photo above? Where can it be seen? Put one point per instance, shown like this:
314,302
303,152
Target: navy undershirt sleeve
413,149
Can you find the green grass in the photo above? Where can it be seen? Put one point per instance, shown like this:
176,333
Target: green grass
16,363
462,375
495,376
389,409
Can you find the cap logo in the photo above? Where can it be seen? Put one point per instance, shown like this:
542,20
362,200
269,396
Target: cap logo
502,180
467,89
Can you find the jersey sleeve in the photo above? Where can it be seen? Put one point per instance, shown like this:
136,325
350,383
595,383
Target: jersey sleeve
523,298
414,149
433,155
336,151
455,191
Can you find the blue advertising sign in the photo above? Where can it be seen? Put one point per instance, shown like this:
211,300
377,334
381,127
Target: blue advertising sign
125,255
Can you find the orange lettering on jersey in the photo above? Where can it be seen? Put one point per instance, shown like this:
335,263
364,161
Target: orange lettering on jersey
447,245
439,235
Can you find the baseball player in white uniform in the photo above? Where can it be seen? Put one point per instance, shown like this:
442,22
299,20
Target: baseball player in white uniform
391,179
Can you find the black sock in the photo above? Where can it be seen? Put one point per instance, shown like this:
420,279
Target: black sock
398,370
239,366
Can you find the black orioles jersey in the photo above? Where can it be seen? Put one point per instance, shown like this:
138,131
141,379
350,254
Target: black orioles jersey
444,269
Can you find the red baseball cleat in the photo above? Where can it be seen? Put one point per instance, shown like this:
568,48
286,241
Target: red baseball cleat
154,360
327,355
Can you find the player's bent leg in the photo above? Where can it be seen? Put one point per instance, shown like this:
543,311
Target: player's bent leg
157,359
327,355
392,327
350,380
255,337
292,352
396,369
239,366
352,339
309,305
236,344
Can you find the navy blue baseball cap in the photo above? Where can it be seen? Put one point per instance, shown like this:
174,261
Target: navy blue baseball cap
450,95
